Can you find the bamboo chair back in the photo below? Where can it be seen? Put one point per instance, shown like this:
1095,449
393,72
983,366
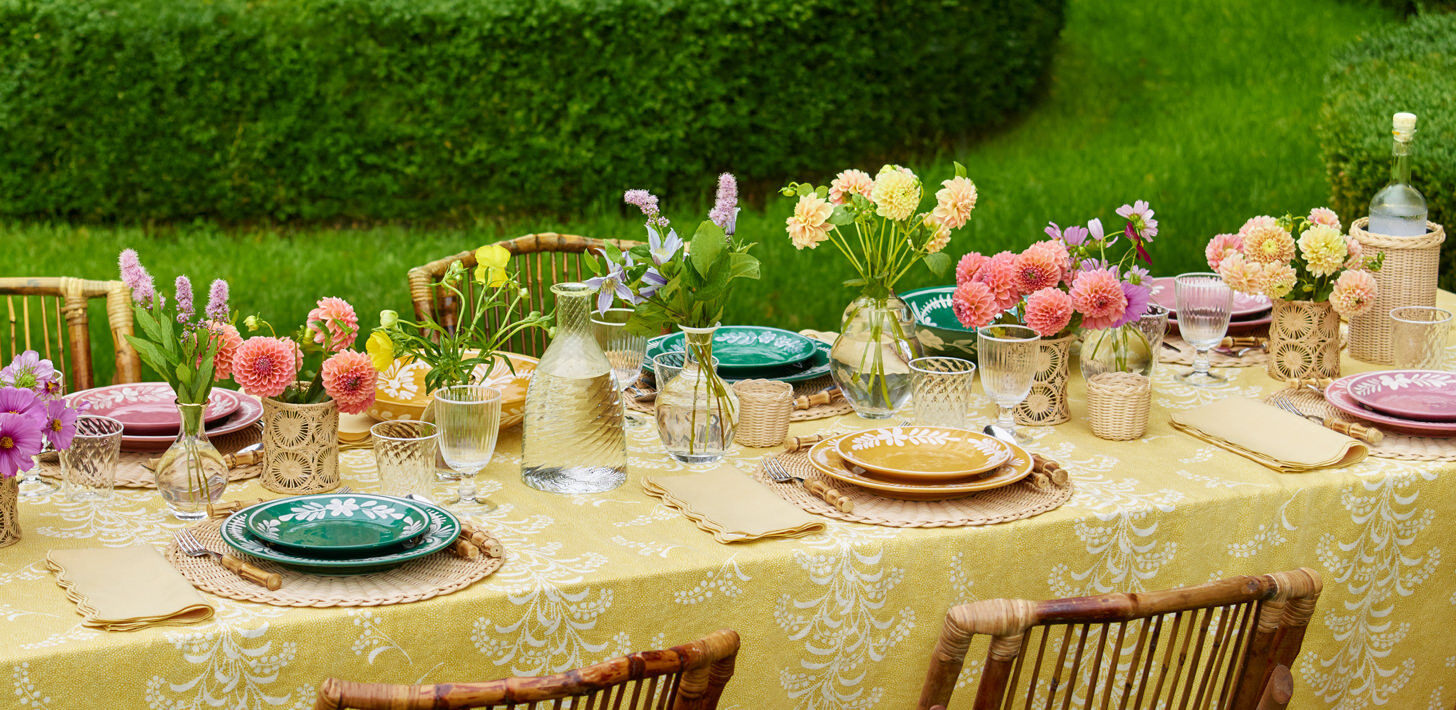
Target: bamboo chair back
49,315
686,677
538,262
1225,644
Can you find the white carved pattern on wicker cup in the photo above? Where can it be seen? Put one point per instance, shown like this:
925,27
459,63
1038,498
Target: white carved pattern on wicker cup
1046,404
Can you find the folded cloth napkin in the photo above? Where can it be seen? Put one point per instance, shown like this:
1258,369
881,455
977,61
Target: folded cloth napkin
126,588
1270,436
731,505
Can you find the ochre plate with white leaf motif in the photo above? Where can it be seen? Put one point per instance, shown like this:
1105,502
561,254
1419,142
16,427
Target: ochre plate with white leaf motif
826,460
923,453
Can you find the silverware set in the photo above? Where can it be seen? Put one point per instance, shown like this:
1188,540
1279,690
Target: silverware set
780,474
1362,432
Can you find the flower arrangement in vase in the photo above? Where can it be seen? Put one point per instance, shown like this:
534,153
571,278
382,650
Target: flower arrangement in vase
877,225
32,417
1312,272
669,282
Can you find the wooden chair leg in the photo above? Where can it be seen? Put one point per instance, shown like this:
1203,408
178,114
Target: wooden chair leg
1279,689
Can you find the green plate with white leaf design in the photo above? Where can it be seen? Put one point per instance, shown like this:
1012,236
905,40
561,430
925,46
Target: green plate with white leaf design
334,523
750,347
443,528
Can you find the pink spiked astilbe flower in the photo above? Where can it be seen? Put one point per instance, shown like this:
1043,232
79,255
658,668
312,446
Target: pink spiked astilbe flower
1222,246
1098,296
969,266
337,317
265,366
725,207
1354,293
973,304
20,440
999,274
182,292
143,290
349,377
217,301
1048,311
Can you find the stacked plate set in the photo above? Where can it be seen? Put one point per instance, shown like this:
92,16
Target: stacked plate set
1416,402
750,352
341,534
148,412
1250,313
921,463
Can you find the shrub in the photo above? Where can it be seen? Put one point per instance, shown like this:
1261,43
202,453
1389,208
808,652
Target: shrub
390,109
1405,68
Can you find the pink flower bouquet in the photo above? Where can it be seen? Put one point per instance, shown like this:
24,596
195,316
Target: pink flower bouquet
310,366
1297,259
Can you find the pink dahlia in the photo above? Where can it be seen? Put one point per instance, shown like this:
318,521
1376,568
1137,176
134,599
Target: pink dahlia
1037,269
999,274
1222,246
1357,253
850,182
1048,311
337,317
1325,216
1243,275
60,424
1354,293
969,266
1098,296
349,377
954,202
1260,222
973,304
265,366
228,341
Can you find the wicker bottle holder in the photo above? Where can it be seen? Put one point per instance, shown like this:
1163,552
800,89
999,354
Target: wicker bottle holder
300,447
1118,405
1304,340
1407,278
9,510
1047,403
764,407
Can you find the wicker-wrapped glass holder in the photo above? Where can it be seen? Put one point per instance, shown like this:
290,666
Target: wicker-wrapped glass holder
1118,404
1407,278
764,407
9,510
1304,340
1046,404
300,447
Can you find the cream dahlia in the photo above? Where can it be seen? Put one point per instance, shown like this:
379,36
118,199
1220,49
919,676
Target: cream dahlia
896,193
1098,296
809,225
333,323
1048,311
939,237
1324,249
954,202
1357,253
850,182
349,377
1260,222
1354,293
1269,244
1242,275
973,304
265,366
1279,280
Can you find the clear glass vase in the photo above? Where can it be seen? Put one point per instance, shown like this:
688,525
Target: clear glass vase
870,360
697,412
191,474
573,439
1126,348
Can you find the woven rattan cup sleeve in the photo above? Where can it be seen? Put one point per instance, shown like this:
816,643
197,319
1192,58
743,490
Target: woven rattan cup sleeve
764,407
1406,278
1118,405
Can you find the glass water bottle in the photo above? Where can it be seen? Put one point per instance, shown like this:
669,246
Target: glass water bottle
1399,210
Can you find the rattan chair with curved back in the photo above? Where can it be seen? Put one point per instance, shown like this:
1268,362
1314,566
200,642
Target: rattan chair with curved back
49,315
1227,644
686,677
538,261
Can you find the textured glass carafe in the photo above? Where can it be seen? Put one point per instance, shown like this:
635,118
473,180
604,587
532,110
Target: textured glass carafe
697,412
191,474
1399,209
870,360
572,439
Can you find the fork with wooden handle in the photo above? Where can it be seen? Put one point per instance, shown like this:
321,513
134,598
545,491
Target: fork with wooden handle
192,547
1365,433
780,474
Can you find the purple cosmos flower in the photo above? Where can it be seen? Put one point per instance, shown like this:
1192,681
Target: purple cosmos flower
662,249
183,293
725,207
1053,231
1075,236
60,424
217,301
1094,228
143,290
1140,219
18,400
612,283
30,372
20,441
1136,275
1138,296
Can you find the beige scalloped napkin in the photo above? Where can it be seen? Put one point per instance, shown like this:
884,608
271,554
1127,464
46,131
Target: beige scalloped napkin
732,506
126,588
1270,436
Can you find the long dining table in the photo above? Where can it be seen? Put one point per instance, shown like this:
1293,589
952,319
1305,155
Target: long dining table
845,618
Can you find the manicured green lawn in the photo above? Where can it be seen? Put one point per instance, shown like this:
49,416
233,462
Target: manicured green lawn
1205,108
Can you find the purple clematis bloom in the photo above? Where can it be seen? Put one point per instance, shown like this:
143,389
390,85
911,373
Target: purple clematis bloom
651,281
662,250
612,283
20,441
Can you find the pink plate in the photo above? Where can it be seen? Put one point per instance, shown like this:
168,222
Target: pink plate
1245,306
250,410
1422,395
1338,395
148,408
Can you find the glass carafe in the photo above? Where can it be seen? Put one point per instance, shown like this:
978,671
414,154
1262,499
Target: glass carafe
191,474
572,439
697,412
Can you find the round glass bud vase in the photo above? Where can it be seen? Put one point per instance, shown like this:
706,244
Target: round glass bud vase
191,474
870,360
697,412
1127,348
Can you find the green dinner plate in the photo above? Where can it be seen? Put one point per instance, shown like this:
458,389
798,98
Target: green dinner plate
335,523
936,326
751,347
444,528
817,365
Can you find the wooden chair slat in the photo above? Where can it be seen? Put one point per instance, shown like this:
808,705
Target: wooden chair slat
57,325
1236,652
1112,675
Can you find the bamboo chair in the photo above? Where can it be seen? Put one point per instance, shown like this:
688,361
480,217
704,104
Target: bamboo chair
686,677
49,315
1235,640
538,261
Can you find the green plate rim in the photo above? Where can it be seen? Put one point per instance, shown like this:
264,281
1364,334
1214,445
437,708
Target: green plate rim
820,368
447,528
932,291
757,366
258,509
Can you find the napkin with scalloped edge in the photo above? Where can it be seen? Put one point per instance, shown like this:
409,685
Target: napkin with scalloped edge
731,505
1270,436
126,588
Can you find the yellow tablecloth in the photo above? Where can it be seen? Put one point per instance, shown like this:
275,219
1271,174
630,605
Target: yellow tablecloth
843,619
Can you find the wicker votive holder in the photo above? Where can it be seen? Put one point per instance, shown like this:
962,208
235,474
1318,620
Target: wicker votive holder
1118,405
763,412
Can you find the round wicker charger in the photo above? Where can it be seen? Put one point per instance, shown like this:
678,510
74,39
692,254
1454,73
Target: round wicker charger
132,473
1395,445
431,576
1118,404
1028,497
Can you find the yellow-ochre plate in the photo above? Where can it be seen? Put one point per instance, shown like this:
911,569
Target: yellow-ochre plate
400,393
826,460
923,453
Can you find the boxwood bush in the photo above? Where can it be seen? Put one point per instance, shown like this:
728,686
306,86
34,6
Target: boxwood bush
1408,67
400,109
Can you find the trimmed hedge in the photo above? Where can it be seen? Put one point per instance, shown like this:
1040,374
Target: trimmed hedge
1408,67
399,109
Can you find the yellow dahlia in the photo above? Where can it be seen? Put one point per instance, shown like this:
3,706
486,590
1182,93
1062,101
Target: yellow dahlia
939,236
1269,244
896,193
954,202
809,226
1324,248
1278,280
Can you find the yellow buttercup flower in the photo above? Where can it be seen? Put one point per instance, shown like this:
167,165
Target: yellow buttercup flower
380,349
490,265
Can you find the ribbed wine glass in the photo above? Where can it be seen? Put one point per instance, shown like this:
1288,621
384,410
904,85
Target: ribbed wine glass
469,420
624,349
1204,304
1008,364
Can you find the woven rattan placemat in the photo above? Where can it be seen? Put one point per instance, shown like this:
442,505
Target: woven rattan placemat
1395,445
1184,355
1030,496
130,473
835,407
427,577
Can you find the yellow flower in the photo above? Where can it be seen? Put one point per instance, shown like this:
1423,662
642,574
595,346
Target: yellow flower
1324,248
809,225
1279,280
490,265
381,350
939,234
896,193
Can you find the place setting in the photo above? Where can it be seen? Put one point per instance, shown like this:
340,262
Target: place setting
1245,343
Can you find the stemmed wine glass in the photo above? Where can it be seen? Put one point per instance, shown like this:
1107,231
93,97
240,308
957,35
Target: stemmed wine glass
1204,303
1008,363
624,349
469,421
